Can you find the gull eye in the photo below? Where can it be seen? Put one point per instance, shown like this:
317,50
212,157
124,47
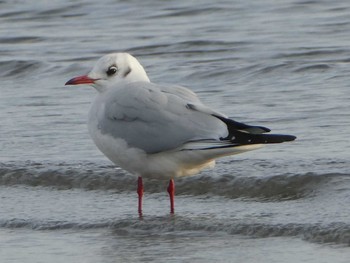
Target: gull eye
111,70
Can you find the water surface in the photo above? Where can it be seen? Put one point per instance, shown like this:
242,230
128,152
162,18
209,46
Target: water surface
280,65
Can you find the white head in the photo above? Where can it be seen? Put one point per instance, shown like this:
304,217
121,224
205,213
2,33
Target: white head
112,68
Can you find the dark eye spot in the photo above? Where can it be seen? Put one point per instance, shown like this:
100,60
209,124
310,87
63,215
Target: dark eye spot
128,70
111,70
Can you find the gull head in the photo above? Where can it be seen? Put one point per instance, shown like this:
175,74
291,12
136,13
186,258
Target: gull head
112,69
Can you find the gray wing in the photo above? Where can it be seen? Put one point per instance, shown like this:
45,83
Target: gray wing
157,118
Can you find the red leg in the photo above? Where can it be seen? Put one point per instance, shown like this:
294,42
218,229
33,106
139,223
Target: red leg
171,191
140,193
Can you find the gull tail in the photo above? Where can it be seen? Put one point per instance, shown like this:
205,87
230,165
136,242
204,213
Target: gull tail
243,134
242,138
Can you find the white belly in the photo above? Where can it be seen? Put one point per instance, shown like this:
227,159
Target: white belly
161,165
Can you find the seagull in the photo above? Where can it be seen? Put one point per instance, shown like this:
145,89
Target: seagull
160,131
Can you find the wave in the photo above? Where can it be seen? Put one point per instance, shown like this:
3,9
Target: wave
12,68
330,233
89,176
21,40
41,14
187,47
313,68
313,53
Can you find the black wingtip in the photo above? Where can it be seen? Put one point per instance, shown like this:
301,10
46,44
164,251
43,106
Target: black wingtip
246,138
290,138
244,134
233,125
279,138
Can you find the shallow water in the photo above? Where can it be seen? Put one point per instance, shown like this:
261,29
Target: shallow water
280,65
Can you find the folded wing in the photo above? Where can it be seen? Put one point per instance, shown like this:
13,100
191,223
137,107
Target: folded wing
158,118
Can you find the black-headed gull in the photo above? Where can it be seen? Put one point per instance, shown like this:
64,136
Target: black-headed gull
160,131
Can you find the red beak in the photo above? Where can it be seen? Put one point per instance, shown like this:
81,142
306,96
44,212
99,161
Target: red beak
80,80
